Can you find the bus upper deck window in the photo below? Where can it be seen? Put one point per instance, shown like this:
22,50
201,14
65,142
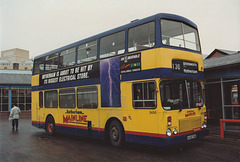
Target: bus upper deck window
38,65
51,62
191,38
87,52
141,37
178,34
112,45
67,57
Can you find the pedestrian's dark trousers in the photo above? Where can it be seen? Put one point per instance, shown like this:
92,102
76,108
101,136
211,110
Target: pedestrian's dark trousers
15,122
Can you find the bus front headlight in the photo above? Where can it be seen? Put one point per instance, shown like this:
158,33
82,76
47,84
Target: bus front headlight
204,125
169,132
174,131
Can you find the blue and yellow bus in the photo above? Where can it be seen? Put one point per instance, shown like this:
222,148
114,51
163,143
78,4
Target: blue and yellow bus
140,83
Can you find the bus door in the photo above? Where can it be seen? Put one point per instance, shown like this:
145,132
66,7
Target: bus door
40,110
145,104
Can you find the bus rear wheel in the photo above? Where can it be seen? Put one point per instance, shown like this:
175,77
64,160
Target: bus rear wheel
50,125
116,134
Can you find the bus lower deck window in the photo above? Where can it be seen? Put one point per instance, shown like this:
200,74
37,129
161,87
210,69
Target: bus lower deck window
144,95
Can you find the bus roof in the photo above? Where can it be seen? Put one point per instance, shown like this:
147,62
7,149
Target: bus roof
124,27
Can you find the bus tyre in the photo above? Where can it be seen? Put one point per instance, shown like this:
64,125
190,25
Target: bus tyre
50,125
116,134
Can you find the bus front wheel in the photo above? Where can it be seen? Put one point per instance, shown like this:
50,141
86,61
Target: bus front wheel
116,134
50,125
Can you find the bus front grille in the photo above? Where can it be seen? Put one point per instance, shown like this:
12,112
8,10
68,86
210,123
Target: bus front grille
189,124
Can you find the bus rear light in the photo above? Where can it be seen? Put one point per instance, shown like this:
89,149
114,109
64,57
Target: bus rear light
169,132
169,120
205,115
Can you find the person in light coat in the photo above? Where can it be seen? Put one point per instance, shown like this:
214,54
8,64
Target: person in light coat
14,116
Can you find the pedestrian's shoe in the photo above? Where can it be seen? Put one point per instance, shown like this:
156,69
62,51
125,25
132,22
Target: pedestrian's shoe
17,129
12,129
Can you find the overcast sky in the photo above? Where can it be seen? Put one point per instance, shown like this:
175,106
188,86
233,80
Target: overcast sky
43,25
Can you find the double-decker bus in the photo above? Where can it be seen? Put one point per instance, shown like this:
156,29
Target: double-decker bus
140,83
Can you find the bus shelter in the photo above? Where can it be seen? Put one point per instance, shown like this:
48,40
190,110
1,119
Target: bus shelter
222,89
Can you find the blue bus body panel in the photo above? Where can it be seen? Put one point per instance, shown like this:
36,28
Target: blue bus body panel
140,139
157,141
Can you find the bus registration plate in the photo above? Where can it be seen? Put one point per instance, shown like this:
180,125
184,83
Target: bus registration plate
190,137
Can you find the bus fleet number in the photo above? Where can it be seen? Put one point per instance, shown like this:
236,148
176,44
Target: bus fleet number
152,112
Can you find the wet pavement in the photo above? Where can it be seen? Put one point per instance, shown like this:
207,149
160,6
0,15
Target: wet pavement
33,144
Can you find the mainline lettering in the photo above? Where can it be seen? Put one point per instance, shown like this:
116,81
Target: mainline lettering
74,118
190,114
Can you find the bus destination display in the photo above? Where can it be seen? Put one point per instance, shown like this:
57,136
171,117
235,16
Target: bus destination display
185,67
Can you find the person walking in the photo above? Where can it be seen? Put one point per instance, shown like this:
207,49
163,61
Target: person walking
14,116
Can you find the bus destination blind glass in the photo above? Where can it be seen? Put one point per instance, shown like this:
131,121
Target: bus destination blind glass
184,67
88,71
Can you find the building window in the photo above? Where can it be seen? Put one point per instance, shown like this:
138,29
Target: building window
67,98
16,66
141,37
22,97
19,95
0,99
87,97
51,99
4,98
15,97
144,95
112,45
28,98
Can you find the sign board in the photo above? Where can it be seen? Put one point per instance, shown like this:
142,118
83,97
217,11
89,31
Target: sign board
130,63
87,71
184,67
